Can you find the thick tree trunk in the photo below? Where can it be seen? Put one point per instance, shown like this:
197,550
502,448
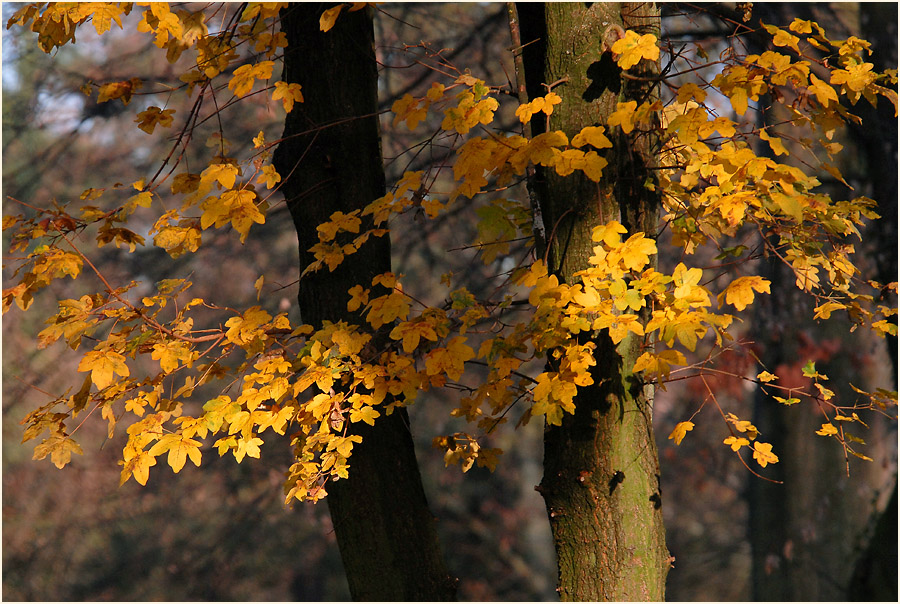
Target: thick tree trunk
330,158
601,469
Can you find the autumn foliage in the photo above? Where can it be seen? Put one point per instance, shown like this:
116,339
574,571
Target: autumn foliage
724,181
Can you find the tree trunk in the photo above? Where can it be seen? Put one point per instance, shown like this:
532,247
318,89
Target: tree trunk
601,469
330,159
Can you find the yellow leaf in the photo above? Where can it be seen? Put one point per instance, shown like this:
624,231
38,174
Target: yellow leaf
225,174
739,292
269,176
366,414
681,429
824,93
765,376
449,359
288,93
248,447
634,47
762,453
326,21
103,365
775,143
119,90
138,466
787,401
623,116
148,119
411,331
60,448
592,135
736,443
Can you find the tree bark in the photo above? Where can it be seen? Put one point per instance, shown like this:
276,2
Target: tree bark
330,159
601,468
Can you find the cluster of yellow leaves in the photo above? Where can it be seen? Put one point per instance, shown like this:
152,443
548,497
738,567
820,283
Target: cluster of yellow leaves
317,383
542,104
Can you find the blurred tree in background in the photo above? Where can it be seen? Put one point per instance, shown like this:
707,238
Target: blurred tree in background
222,532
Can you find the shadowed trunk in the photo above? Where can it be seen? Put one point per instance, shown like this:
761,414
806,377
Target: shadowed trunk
330,158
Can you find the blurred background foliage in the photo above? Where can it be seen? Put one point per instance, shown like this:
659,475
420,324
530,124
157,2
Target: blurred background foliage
221,532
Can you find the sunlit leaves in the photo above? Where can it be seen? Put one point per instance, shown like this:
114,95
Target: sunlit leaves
633,47
288,94
103,365
680,431
762,453
542,104
59,447
739,292
241,82
179,450
717,187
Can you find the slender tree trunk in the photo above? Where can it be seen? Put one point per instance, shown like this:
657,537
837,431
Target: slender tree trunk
330,158
601,468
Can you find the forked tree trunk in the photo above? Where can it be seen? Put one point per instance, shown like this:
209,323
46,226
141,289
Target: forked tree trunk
601,481
330,159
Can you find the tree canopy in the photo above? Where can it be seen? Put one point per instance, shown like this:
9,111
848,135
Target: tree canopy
726,155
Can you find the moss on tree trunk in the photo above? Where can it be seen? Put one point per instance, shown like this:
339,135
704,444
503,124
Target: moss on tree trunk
601,469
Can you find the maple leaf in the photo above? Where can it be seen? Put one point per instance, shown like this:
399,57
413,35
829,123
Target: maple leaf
681,429
60,448
225,174
739,292
384,309
171,354
339,222
762,453
855,77
659,363
241,82
411,331
634,47
244,329
103,365
449,359
328,17
148,119
690,91
622,116
366,414
592,135
736,443
765,376
179,448
248,447
288,93
103,14
775,143
119,90
139,467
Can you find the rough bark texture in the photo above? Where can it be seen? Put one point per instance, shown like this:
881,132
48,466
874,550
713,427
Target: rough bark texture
330,158
601,469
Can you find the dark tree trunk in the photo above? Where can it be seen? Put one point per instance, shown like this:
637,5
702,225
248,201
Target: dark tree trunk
601,469
330,159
